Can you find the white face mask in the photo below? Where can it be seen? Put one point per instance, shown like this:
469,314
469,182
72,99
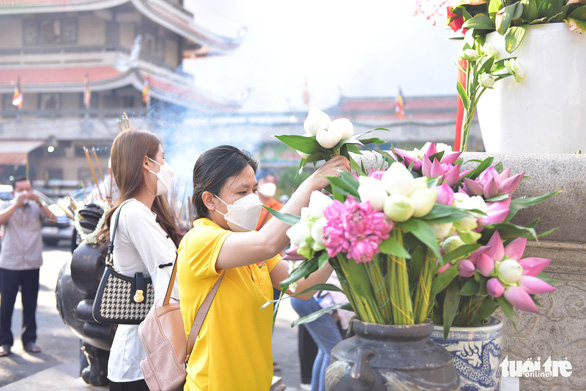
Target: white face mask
165,176
243,214
268,189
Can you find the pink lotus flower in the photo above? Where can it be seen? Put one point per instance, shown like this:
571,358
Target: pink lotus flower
491,184
512,276
428,150
447,172
445,194
466,268
496,213
354,228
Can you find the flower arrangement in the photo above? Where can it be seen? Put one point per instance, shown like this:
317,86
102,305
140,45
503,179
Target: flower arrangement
479,62
421,238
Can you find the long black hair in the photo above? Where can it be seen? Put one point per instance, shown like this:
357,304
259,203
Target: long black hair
213,168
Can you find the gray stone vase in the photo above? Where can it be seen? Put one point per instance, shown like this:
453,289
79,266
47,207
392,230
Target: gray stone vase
389,357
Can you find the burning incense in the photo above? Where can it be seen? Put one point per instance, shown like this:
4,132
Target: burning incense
66,212
98,163
89,160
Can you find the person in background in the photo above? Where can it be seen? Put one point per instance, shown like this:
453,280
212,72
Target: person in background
233,350
146,239
324,330
20,261
267,188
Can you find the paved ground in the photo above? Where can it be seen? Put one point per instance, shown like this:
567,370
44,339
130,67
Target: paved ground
57,366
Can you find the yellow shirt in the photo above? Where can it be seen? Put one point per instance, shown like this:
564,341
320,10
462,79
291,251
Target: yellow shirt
233,349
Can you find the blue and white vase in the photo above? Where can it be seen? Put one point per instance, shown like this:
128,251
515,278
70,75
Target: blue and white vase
477,354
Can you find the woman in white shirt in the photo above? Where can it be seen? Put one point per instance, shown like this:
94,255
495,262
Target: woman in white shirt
146,239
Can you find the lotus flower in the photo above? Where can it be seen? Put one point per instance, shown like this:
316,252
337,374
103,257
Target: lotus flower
415,157
491,184
398,180
315,120
373,191
398,207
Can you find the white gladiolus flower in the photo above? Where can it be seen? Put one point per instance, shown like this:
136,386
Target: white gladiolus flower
315,120
516,69
345,127
486,80
490,50
328,136
299,233
441,230
398,180
398,207
373,191
317,233
318,202
423,200
469,55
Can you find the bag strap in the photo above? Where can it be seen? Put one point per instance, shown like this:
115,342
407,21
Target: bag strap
114,228
203,309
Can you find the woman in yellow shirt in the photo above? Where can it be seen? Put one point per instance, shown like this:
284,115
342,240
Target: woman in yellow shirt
233,349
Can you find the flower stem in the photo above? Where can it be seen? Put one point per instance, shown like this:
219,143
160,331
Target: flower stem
381,293
423,290
399,286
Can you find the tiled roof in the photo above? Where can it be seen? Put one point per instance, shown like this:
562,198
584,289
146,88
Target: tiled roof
62,75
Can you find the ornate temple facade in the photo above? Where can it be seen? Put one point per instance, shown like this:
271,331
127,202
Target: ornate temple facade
79,64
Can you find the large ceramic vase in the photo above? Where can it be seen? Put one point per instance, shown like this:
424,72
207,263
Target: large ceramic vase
387,357
477,354
546,112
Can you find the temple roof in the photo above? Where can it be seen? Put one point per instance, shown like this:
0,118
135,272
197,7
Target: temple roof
175,18
165,86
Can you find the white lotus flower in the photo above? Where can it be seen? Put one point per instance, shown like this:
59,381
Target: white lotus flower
465,202
441,230
510,270
373,191
345,127
317,233
423,201
299,233
398,180
315,120
398,207
318,202
328,136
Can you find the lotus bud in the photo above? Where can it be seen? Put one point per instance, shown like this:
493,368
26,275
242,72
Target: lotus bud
520,299
441,230
423,201
469,236
344,125
420,183
510,270
303,154
469,55
315,120
445,194
532,266
451,243
298,234
373,191
534,285
318,202
398,207
485,265
398,180
494,287
466,268
328,137
486,80
317,233
443,268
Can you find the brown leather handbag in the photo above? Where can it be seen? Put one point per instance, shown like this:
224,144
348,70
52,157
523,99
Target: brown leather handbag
163,337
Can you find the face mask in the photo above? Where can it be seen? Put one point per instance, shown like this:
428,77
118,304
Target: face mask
243,214
268,189
165,176
21,194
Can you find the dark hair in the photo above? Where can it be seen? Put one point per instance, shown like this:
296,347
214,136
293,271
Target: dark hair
213,168
19,179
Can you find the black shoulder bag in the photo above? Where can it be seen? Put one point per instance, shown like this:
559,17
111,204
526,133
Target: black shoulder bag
121,299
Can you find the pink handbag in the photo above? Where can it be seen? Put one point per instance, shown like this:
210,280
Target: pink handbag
163,337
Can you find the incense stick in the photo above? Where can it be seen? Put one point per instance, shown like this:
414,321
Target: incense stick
98,163
89,160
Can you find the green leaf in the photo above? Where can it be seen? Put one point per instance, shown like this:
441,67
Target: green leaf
479,22
463,95
487,308
347,183
443,279
493,7
315,315
501,197
530,8
524,202
303,270
373,140
550,8
391,246
481,167
451,304
323,259
470,288
423,232
461,252
440,214
285,217
513,37
319,287
506,307
485,65
300,143
579,13
504,17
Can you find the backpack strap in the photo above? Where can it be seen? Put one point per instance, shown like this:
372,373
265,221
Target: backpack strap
203,309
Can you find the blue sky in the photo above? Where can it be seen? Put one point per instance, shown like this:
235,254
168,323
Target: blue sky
354,48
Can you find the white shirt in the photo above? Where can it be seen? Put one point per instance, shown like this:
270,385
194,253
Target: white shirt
141,245
22,244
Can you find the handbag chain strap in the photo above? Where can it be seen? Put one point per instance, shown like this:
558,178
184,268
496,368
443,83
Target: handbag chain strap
109,256
203,309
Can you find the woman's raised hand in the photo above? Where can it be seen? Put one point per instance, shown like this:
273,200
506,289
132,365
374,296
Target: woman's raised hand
330,168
